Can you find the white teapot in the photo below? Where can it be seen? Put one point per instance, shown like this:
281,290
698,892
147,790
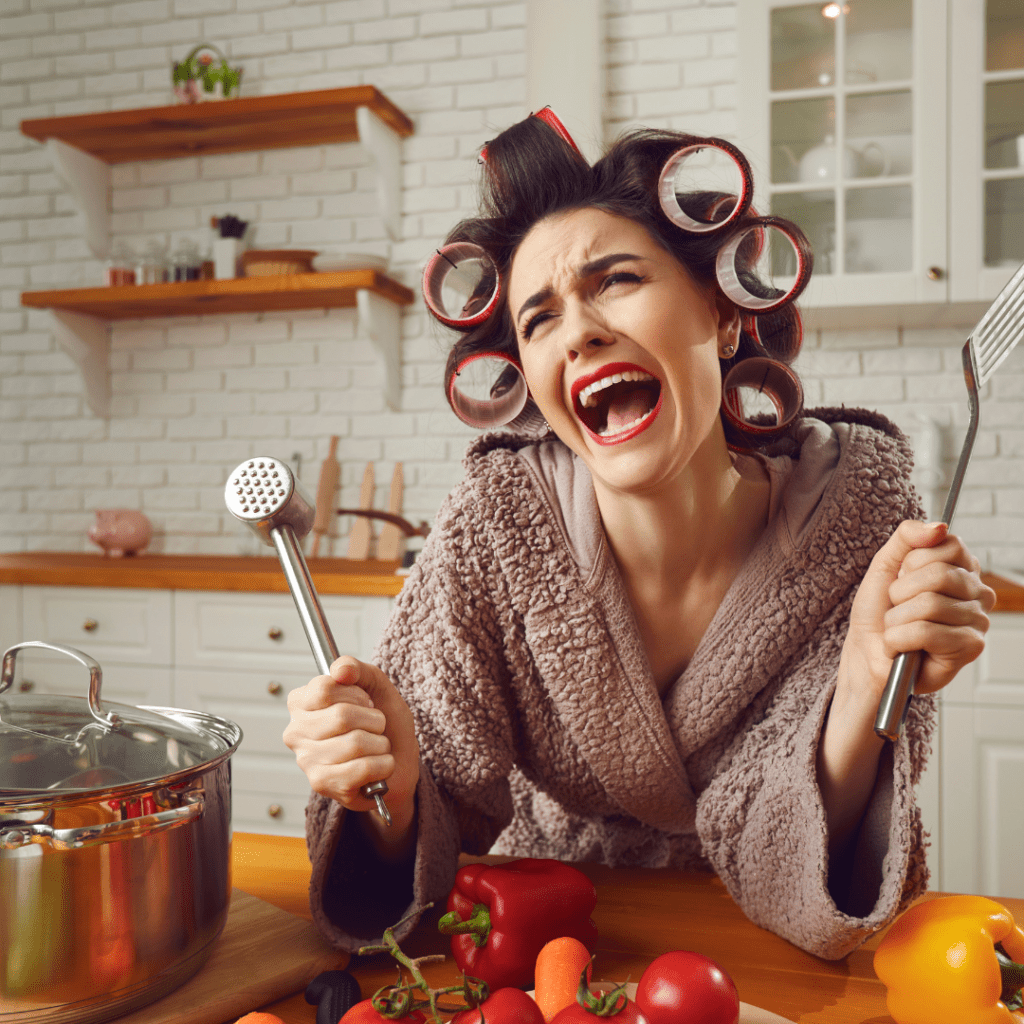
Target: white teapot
820,163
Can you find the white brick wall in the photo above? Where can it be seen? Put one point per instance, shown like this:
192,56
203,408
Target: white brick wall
192,396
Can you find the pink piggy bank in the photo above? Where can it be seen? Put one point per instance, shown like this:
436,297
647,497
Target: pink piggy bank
120,531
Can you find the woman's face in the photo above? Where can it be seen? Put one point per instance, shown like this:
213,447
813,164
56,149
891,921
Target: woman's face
619,346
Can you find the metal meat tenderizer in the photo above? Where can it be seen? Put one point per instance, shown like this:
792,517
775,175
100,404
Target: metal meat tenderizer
990,343
265,495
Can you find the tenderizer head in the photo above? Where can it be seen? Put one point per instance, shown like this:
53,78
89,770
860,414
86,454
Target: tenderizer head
263,493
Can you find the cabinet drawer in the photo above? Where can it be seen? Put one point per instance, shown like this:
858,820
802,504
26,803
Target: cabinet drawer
122,684
255,700
110,625
264,631
276,815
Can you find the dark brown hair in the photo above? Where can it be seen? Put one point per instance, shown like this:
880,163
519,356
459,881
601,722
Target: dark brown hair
531,173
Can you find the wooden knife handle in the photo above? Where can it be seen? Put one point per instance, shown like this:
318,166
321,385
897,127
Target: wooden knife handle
360,535
326,489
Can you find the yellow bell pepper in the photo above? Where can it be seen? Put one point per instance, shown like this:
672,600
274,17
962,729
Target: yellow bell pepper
941,964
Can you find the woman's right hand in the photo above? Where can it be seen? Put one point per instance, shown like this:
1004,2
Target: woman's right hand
351,728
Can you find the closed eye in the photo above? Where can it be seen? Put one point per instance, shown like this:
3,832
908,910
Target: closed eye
534,322
621,277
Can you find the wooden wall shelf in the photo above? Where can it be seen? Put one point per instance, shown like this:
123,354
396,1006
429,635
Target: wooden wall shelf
83,145
222,126
81,316
241,295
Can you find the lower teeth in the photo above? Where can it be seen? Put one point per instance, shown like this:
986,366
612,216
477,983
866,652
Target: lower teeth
608,432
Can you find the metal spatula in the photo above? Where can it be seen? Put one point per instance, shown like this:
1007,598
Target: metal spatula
990,343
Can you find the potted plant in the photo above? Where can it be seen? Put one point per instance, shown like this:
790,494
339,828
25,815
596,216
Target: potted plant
198,77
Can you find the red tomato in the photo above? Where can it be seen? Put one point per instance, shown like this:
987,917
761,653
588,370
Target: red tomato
506,1006
364,1013
687,988
576,1014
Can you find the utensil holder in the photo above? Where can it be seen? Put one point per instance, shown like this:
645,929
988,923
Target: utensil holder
227,252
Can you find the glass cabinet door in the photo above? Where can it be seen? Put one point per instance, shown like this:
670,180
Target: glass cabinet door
988,142
843,143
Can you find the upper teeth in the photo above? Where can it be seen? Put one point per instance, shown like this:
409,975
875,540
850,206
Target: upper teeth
586,396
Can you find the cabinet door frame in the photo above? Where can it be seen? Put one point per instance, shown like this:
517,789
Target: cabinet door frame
970,279
930,178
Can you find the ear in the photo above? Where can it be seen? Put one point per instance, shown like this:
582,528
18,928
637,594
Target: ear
729,322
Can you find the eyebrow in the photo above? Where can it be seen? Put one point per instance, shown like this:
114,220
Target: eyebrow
584,271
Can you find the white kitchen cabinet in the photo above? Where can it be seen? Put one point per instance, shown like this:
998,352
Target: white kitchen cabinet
888,132
226,630
113,626
269,790
236,655
981,765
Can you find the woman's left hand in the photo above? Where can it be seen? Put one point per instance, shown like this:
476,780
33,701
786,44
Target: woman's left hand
922,592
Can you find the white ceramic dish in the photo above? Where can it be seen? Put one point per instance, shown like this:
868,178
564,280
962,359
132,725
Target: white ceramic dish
328,261
748,1014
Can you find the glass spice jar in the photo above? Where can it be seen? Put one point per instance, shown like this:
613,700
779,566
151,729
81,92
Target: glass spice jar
153,265
186,263
120,269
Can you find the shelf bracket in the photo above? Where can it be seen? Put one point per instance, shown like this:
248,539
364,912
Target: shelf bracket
381,321
385,147
85,339
88,181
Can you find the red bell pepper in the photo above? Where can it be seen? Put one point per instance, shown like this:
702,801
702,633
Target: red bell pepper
500,916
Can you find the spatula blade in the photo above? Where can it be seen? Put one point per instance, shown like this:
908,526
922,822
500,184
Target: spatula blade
1000,329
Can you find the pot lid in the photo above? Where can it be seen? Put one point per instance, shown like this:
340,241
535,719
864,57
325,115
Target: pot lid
68,744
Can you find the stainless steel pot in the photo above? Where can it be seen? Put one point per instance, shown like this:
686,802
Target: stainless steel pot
115,842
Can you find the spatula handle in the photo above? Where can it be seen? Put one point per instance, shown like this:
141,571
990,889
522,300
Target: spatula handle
895,702
899,688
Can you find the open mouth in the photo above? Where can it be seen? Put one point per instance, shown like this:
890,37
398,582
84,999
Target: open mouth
617,402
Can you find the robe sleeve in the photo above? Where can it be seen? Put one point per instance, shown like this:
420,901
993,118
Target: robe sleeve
443,648
762,820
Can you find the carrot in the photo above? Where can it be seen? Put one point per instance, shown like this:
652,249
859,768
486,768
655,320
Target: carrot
556,976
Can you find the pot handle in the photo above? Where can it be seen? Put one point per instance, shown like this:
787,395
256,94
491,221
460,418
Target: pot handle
106,718
17,835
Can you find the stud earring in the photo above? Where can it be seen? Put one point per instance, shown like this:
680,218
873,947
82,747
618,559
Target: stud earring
727,351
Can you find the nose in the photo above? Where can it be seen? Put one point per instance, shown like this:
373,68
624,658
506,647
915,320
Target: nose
585,332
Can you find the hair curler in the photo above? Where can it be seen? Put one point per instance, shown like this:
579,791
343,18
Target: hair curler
461,285
717,214
739,253
487,390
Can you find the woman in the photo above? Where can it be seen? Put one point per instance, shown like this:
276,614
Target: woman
650,631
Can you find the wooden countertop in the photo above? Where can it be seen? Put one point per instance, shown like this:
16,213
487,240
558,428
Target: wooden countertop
226,572
640,914
195,572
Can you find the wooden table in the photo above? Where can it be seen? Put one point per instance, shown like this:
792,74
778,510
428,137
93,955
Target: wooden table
639,915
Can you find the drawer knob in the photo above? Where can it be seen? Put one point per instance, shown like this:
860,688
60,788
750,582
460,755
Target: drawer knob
936,273
26,686
90,625
275,633
274,689
275,810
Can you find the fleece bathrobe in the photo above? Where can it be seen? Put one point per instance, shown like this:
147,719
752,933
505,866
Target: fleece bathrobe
542,732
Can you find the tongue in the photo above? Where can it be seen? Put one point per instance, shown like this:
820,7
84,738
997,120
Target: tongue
626,406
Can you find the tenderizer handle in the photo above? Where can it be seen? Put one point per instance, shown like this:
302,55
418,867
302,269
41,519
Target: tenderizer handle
314,622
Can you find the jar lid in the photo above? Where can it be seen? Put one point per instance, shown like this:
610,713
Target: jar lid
72,744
